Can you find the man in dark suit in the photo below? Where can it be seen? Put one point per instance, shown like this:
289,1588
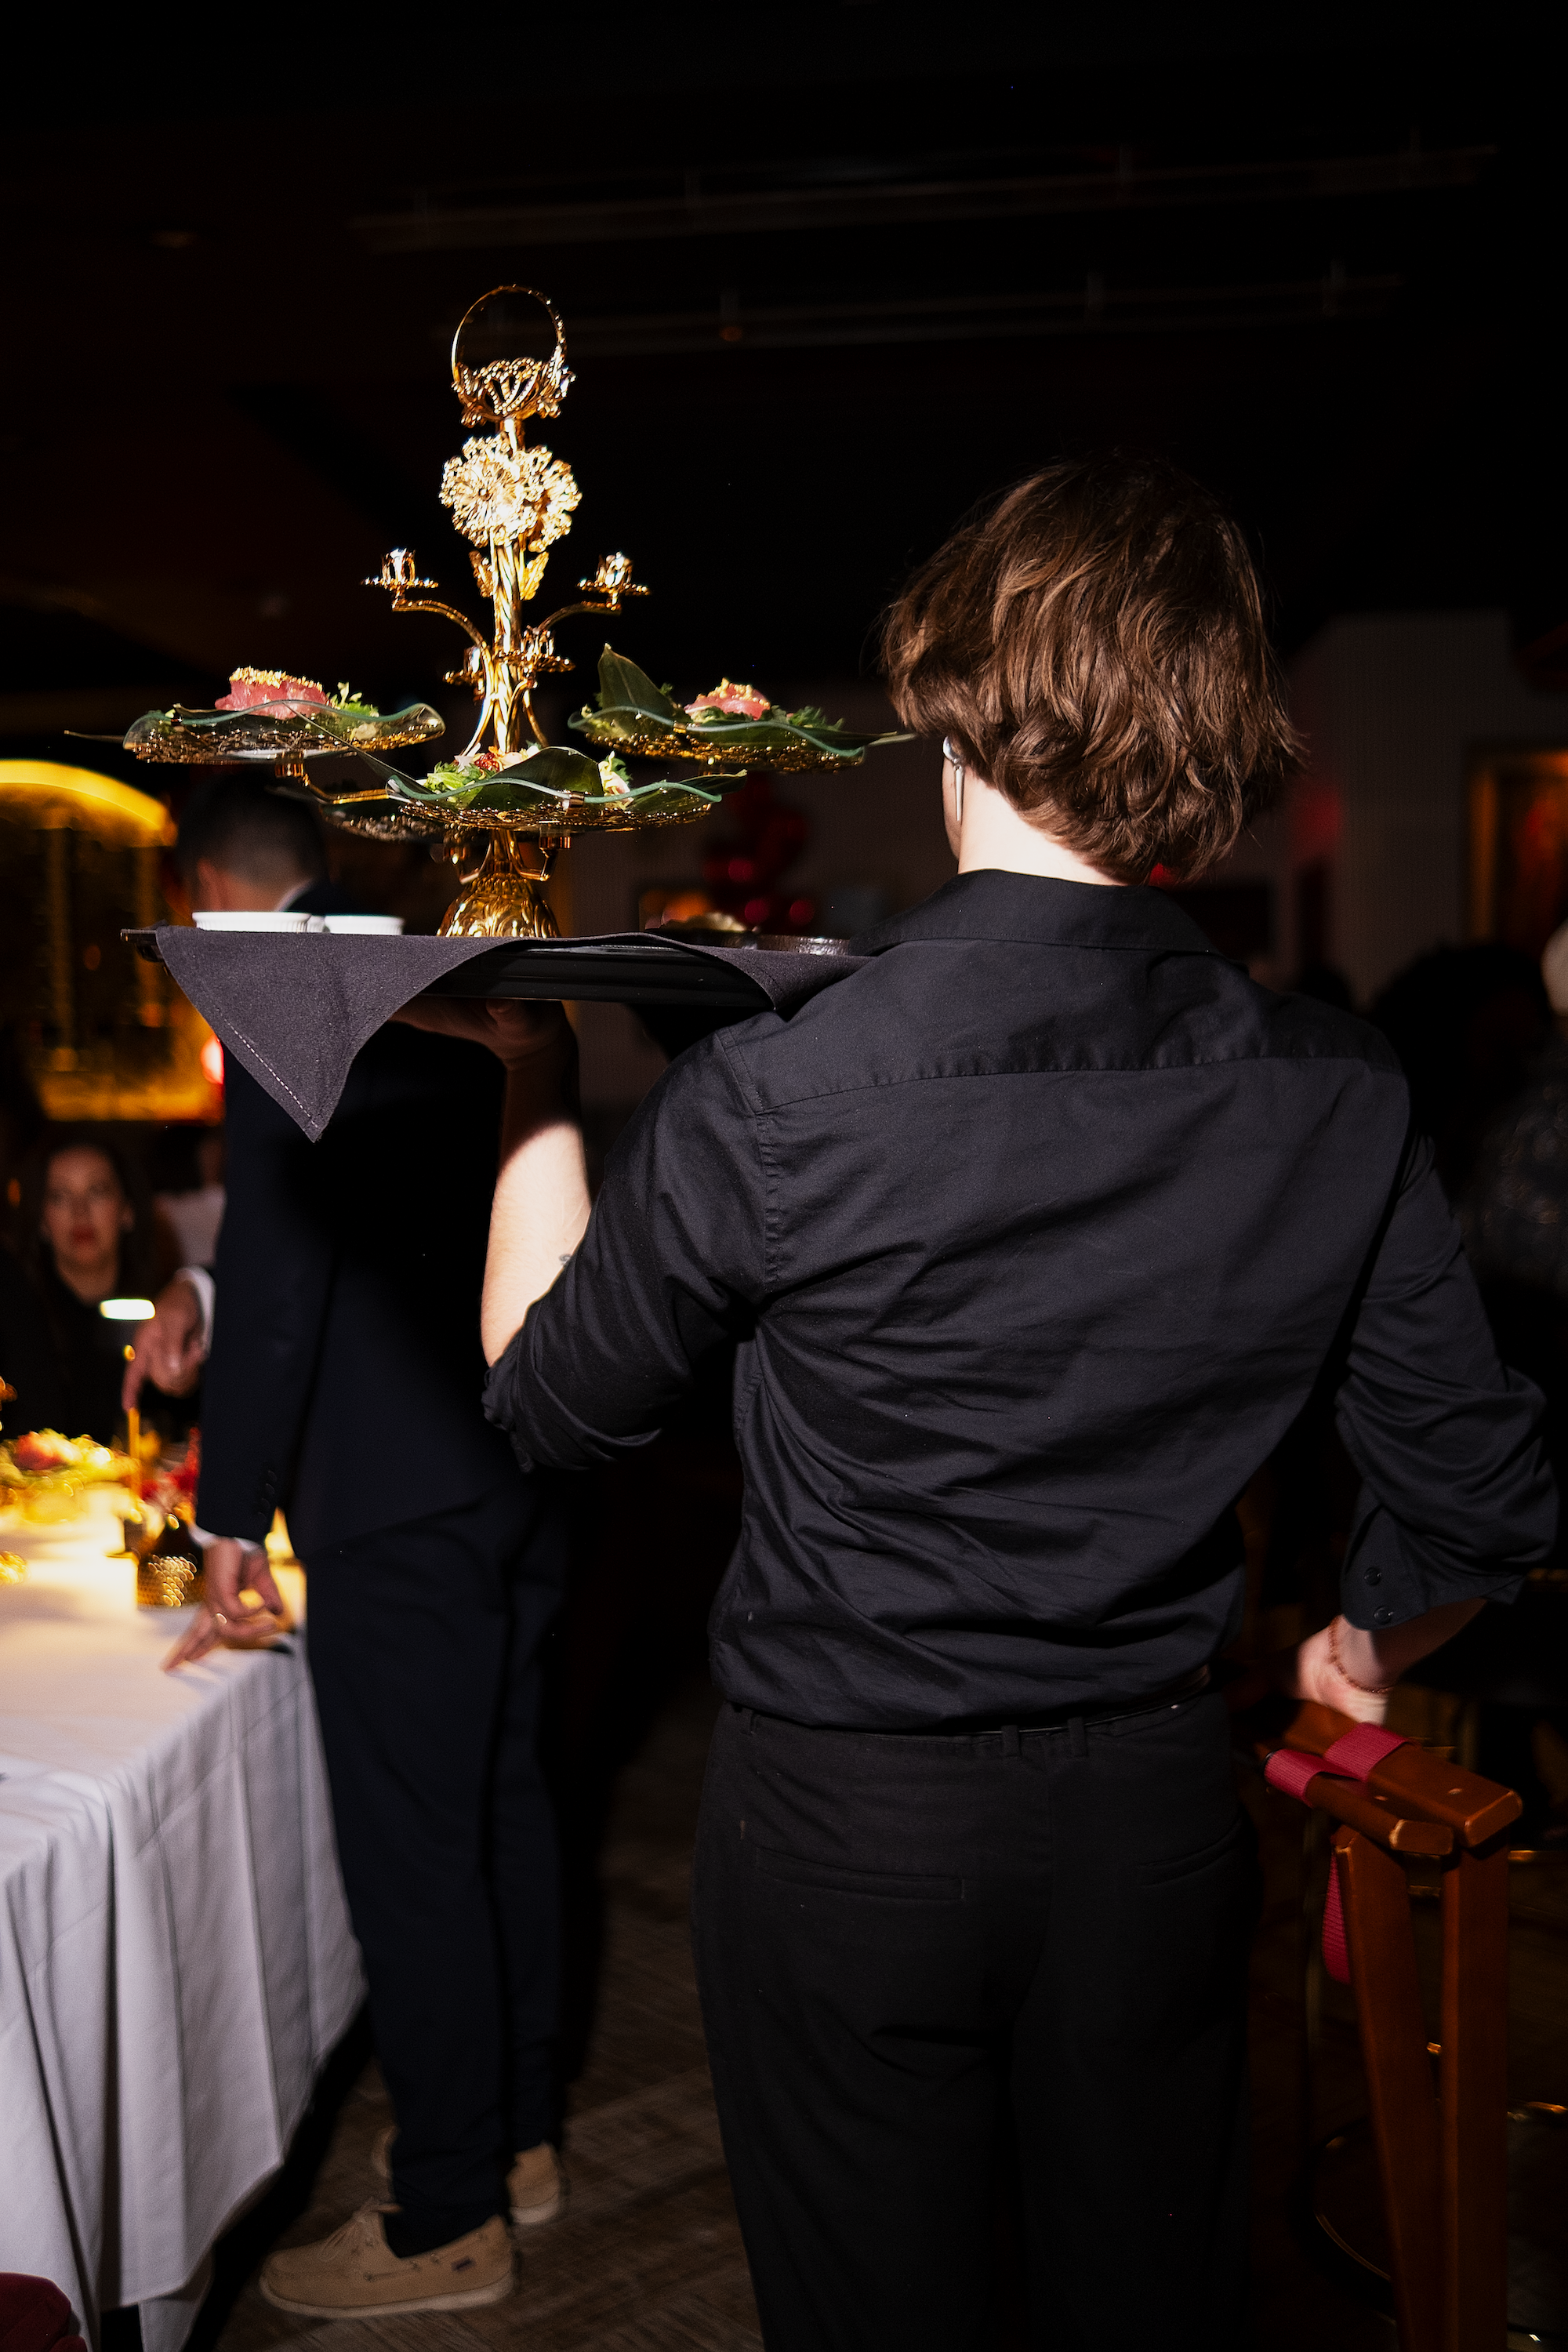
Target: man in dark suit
344,1385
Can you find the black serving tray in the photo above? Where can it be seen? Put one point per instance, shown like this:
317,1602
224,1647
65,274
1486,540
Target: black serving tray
610,973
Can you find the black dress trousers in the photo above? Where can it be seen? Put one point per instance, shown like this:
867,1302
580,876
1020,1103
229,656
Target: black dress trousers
424,1647
901,1939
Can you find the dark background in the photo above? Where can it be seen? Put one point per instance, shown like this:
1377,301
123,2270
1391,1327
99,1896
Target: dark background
829,274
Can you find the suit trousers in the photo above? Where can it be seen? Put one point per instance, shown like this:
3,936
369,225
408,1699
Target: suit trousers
424,1647
910,1949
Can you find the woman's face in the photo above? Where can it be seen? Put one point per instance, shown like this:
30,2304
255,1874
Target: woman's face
85,1212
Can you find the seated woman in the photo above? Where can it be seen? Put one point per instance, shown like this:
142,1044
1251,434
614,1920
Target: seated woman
88,1244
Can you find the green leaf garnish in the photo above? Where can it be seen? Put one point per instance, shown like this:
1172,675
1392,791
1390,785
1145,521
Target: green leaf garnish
624,687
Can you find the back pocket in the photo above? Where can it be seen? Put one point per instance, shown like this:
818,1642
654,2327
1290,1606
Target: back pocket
883,1885
1171,1870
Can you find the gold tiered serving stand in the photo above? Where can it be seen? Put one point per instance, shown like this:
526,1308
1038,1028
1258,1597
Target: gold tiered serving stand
511,798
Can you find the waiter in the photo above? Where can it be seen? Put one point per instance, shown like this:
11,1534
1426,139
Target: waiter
1036,1234
344,1385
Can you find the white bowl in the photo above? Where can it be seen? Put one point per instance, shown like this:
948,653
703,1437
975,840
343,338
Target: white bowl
366,927
248,921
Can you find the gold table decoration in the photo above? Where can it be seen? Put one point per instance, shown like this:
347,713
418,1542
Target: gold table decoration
164,1580
167,1557
46,1487
511,798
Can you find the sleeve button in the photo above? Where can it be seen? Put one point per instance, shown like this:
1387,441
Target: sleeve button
1374,1576
1382,1616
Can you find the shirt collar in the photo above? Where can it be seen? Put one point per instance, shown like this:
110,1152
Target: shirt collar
993,904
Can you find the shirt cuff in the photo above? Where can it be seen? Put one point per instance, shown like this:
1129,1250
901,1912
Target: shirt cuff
206,1288
1392,1574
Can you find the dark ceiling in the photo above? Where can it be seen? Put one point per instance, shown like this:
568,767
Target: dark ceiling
829,274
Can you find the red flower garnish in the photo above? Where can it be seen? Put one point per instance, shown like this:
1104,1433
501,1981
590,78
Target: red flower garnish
276,687
174,1487
40,1450
736,702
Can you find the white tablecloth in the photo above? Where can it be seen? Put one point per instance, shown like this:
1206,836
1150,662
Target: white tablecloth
176,1957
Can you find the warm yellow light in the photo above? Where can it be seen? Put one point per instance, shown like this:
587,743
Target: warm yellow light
44,792
127,1310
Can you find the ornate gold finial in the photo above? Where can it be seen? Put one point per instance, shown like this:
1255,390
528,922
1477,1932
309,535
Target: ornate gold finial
512,503
508,388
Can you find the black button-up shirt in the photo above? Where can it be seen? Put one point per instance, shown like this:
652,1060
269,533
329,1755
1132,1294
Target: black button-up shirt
1036,1234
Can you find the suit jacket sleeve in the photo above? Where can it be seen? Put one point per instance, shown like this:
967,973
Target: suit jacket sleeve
276,1261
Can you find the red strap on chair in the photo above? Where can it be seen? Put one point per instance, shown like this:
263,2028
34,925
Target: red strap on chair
1356,1753
1336,1951
1289,1771
1352,1756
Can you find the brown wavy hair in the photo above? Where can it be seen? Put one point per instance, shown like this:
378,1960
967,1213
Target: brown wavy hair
1095,647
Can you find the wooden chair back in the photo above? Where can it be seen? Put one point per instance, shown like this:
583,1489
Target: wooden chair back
1441,2144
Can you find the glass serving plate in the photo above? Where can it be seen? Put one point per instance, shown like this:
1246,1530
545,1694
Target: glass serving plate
545,794
277,732
630,714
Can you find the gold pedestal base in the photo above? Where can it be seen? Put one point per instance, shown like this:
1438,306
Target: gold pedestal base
503,897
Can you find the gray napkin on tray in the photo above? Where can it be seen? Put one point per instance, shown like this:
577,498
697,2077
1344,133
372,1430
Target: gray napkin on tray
295,1008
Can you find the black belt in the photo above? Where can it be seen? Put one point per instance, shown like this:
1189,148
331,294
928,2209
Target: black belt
1118,1711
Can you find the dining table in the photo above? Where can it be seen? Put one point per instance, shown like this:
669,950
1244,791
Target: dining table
176,1963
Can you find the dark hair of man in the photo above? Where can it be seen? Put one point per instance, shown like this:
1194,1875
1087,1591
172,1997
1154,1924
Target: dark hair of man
249,831
1095,648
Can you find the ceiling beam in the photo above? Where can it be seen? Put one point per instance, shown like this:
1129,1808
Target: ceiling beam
1093,308
693,212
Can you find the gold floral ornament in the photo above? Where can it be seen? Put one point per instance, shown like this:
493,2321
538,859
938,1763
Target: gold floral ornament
497,491
613,578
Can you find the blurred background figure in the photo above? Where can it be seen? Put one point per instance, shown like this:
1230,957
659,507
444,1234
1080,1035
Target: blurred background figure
1514,1211
194,1212
1514,1204
1467,1024
90,1235
1326,984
